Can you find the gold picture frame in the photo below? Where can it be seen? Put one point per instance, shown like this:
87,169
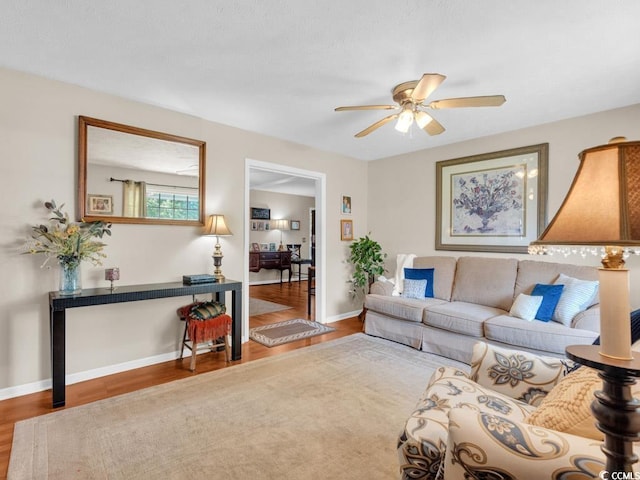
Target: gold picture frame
346,230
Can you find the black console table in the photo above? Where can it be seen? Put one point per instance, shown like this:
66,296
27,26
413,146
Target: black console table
130,293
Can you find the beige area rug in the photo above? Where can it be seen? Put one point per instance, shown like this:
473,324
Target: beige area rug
287,331
258,307
328,411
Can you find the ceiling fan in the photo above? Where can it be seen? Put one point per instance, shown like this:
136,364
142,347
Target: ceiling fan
410,98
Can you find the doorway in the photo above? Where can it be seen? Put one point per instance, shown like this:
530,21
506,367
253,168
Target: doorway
284,177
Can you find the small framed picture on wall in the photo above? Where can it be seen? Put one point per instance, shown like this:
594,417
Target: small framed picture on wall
346,230
345,207
295,224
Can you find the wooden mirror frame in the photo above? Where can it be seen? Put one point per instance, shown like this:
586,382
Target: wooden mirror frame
83,156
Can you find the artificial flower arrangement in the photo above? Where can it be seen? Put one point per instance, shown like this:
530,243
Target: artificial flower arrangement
70,243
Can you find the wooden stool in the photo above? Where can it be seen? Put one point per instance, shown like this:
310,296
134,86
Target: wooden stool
207,327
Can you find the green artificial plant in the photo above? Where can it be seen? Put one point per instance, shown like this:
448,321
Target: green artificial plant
367,259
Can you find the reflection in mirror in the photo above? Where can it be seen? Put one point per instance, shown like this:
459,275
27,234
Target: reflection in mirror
132,175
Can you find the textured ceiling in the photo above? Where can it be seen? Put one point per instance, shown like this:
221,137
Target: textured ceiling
279,67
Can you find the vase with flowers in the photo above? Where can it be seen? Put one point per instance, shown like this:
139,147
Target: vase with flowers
69,243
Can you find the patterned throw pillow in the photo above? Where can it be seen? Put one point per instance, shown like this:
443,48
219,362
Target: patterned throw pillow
526,307
567,407
414,288
206,310
576,297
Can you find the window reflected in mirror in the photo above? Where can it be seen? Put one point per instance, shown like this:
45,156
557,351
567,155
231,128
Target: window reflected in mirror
144,175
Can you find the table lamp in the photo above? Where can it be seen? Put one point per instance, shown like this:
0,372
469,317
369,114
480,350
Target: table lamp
601,215
281,225
216,226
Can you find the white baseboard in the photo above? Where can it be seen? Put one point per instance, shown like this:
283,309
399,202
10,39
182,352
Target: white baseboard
72,378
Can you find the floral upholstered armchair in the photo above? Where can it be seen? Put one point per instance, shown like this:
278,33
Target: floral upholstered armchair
517,415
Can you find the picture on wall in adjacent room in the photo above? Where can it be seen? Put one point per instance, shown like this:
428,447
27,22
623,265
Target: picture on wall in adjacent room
346,229
492,202
260,213
346,204
295,224
100,204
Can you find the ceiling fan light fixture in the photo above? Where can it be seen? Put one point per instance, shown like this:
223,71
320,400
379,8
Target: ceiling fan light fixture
405,119
423,119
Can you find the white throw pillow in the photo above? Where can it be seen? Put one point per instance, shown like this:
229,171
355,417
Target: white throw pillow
414,288
526,306
576,296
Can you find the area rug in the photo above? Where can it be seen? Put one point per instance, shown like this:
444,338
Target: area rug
328,411
258,307
287,331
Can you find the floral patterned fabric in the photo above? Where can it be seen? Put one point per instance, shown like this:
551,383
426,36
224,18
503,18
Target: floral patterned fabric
503,383
490,446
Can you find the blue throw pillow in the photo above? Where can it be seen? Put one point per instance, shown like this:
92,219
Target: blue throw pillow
550,297
421,274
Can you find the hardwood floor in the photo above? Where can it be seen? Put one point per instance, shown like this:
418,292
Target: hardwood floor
292,294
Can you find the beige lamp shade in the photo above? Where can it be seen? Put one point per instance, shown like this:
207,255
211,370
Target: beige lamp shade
280,224
217,226
602,209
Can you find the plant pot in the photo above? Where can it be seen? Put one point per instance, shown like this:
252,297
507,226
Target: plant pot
70,279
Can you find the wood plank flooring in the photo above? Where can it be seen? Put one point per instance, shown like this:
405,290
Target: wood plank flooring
293,294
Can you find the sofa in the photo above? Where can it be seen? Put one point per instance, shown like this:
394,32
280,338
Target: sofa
530,421
472,299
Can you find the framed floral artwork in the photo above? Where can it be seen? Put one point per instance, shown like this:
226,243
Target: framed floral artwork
492,202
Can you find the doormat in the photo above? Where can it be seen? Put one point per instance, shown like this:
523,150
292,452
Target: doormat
287,331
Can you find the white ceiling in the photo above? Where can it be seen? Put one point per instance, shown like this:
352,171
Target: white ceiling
279,67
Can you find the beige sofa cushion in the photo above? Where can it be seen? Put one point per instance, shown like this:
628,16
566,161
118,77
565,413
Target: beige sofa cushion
547,336
485,281
531,272
410,309
460,317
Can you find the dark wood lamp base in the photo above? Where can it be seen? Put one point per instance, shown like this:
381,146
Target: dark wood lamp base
616,411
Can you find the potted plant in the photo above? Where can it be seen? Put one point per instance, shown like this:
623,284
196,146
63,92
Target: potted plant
367,259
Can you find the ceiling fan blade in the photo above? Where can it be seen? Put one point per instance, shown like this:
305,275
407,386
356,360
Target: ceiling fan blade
376,125
426,86
366,107
487,101
434,127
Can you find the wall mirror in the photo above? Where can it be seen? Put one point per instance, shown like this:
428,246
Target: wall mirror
132,175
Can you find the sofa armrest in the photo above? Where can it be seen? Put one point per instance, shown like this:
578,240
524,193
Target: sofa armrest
482,445
381,288
588,319
518,374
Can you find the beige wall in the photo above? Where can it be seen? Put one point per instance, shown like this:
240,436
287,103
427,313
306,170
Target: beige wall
290,207
38,135
402,188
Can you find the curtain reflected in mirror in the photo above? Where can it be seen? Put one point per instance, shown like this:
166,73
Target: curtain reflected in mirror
146,176
134,203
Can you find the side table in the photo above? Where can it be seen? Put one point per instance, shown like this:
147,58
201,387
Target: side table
616,411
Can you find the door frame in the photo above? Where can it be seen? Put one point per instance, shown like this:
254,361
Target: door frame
320,201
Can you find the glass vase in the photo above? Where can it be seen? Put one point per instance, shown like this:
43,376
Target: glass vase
70,280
